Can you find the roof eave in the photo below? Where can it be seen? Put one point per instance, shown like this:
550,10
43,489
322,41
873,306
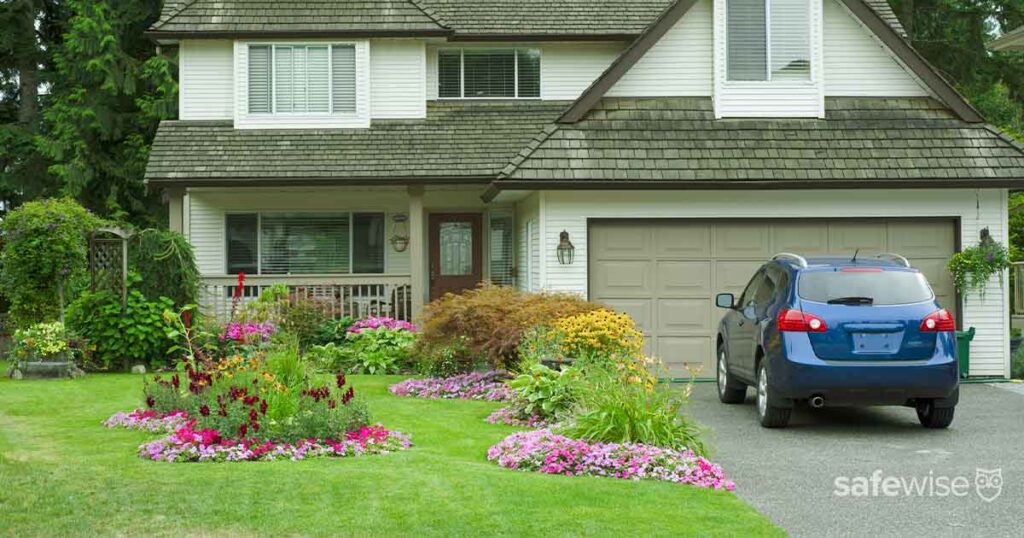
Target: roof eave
391,181
165,36
1011,41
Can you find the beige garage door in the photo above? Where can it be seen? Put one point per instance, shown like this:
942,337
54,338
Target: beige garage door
665,273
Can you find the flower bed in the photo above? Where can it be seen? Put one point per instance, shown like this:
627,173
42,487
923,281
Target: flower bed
149,420
189,445
511,417
374,323
472,386
546,452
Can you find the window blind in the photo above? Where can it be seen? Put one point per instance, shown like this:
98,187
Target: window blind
488,73
318,72
305,244
790,40
368,243
501,228
343,75
747,40
242,243
259,79
528,62
449,73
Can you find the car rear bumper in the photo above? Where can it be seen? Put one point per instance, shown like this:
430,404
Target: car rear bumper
799,374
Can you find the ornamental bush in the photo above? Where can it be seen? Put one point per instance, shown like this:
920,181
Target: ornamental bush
44,257
488,323
372,346
167,265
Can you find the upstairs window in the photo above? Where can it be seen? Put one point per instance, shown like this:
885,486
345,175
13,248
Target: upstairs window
768,40
302,79
488,73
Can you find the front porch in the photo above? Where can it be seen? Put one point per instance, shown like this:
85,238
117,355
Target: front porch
362,251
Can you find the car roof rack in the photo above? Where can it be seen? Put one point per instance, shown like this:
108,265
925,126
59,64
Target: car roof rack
800,260
894,257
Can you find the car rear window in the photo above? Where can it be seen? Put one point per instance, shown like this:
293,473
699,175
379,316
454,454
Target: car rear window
882,287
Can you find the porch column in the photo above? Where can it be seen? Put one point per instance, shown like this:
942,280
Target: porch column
417,250
176,209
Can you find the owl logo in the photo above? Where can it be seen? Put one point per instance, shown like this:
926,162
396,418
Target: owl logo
988,483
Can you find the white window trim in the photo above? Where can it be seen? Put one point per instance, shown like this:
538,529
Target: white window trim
351,230
812,72
462,74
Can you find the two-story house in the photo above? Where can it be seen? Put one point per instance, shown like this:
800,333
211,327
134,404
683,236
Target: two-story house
379,153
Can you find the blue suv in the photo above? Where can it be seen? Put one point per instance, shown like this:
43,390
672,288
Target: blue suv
838,332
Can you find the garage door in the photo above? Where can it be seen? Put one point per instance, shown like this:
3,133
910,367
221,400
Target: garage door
665,273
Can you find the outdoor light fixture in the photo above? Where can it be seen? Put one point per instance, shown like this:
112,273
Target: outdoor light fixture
399,232
565,249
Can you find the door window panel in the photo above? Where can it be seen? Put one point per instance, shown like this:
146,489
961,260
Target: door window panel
456,248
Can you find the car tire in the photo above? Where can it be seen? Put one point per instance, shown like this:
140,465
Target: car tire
769,414
934,417
730,391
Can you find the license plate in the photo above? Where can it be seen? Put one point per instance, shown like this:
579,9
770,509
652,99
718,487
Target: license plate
876,342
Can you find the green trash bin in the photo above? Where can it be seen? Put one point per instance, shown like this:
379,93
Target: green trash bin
963,350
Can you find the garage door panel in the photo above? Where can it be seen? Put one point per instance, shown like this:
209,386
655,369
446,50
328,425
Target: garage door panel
676,353
920,239
847,237
621,242
800,238
732,277
744,240
641,310
682,279
624,278
940,279
674,241
685,316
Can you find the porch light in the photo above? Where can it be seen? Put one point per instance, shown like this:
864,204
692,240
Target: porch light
565,250
399,232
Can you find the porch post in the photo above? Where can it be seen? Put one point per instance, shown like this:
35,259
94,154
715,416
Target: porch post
176,209
417,250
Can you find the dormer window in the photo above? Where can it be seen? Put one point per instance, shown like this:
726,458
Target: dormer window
488,73
302,79
768,40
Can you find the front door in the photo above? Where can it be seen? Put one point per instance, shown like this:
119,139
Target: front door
456,252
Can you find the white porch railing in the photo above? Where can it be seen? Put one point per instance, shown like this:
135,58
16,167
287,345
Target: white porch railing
355,296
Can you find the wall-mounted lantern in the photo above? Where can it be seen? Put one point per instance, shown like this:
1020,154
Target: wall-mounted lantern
565,250
399,232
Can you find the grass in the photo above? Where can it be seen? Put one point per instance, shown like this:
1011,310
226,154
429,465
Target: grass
62,473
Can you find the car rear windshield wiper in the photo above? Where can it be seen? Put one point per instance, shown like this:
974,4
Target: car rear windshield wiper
852,300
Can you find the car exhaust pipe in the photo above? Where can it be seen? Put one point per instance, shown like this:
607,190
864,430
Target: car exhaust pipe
817,402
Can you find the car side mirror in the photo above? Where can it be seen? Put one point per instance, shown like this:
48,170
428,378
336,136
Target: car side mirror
725,300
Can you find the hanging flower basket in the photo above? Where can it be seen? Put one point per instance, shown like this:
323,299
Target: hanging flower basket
973,267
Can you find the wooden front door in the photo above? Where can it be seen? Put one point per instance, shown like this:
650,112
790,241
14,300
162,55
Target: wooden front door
456,252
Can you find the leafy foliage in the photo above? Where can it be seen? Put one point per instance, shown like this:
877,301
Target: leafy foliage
122,336
543,392
42,341
45,257
333,331
371,351
1017,364
489,322
973,266
167,265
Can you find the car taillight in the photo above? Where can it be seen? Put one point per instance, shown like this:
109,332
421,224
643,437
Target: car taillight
796,321
939,321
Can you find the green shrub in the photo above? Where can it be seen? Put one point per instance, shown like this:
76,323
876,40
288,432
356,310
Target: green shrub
167,265
44,258
490,321
615,412
543,392
300,317
371,351
1017,364
120,336
333,331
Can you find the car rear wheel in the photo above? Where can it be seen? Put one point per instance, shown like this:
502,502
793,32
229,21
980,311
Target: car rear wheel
768,412
730,391
934,417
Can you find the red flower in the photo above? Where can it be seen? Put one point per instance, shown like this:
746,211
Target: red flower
175,381
331,404
340,379
243,430
253,417
263,407
150,402
204,410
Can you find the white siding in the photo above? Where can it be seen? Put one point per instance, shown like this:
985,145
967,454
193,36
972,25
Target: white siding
976,209
858,64
566,69
680,64
398,78
206,210
244,120
528,236
769,99
205,82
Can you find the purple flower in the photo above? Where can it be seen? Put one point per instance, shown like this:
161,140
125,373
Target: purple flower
390,324
472,386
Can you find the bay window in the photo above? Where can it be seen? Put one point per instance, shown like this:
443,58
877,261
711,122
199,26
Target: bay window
488,73
305,243
302,79
768,40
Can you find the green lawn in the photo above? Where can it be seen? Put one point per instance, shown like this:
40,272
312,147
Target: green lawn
62,473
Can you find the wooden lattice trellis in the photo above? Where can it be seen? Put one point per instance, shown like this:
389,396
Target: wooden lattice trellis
108,260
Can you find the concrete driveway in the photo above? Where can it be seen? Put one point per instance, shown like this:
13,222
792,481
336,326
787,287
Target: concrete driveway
846,472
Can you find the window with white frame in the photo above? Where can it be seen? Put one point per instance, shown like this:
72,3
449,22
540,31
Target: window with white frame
305,243
501,231
768,40
512,73
302,79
